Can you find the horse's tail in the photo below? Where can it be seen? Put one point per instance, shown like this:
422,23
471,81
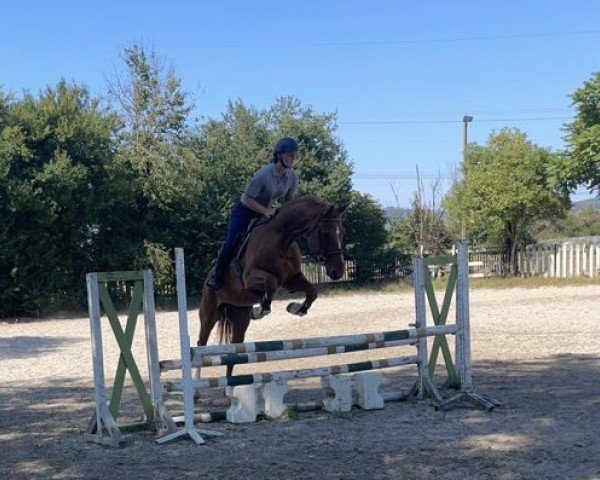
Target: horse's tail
225,327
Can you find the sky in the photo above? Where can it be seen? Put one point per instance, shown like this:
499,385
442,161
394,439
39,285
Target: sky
400,75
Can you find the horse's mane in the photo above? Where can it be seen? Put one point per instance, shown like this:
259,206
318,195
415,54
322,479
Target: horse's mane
303,204
299,214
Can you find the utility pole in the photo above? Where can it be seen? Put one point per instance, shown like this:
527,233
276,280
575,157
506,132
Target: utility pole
466,120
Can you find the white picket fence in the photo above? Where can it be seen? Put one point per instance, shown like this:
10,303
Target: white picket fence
570,258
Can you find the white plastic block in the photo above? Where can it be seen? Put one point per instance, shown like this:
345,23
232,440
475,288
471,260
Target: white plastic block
272,394
244,403
338,391
365,388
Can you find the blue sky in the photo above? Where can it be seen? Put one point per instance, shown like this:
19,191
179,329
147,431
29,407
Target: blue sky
400,75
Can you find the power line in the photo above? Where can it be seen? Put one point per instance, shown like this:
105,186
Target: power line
420,122
401,176
410,41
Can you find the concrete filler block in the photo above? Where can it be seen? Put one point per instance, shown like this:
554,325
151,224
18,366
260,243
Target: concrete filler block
272,395
365,387
338,391
244,403
249,401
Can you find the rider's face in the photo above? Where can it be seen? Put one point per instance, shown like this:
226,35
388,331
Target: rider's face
288,159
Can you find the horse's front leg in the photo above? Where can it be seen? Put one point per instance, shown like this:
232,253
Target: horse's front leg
264,285
299,283
263,309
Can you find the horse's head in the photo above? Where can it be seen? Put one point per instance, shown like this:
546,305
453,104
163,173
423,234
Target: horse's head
325,241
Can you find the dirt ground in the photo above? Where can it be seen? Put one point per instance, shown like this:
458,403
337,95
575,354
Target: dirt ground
538,350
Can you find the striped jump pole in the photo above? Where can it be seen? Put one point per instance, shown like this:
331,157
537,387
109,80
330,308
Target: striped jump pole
237,380
255,352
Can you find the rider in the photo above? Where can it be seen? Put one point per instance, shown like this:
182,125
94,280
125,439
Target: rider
277,180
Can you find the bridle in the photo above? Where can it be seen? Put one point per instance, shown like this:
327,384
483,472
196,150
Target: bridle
321,257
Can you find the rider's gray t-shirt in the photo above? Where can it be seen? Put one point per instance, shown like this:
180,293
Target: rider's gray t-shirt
267,185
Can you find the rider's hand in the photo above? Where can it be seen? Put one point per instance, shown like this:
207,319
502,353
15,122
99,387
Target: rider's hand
269,212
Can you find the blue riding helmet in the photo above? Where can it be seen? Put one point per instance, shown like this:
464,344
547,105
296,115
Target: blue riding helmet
286,144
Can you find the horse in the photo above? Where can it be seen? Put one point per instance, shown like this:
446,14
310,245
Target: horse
270,259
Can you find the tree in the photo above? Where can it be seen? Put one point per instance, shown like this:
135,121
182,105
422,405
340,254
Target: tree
582,164
582,223
241,141
422,228
155,188
366,238
505,188
55,152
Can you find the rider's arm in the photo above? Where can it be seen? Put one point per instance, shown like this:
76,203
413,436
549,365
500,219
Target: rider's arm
255,206
293,191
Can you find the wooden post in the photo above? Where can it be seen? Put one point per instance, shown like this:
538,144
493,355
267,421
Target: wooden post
186,362
420,323
163,418
463,338
104,419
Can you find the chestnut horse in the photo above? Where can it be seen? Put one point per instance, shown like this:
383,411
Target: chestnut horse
271,259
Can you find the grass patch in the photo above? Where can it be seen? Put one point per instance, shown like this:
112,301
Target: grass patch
530,282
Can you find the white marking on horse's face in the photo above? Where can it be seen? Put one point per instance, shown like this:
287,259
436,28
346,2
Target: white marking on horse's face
338,235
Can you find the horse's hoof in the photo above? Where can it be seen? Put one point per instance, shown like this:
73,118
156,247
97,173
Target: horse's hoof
296,308
259,312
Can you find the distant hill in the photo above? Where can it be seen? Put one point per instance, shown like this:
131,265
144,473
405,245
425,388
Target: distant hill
590,202
392,213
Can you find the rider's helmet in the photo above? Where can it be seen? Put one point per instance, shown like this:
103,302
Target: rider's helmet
285,144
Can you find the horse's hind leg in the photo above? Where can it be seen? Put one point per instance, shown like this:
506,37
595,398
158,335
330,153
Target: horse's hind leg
240,319
299,283
209,314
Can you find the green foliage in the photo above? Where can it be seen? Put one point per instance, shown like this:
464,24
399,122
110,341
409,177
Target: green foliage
506,188
229,150
582,164
53,157
583,223
159,260
366,238
84,188
154,188
422,228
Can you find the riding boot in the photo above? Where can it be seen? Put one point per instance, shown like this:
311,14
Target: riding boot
225,256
